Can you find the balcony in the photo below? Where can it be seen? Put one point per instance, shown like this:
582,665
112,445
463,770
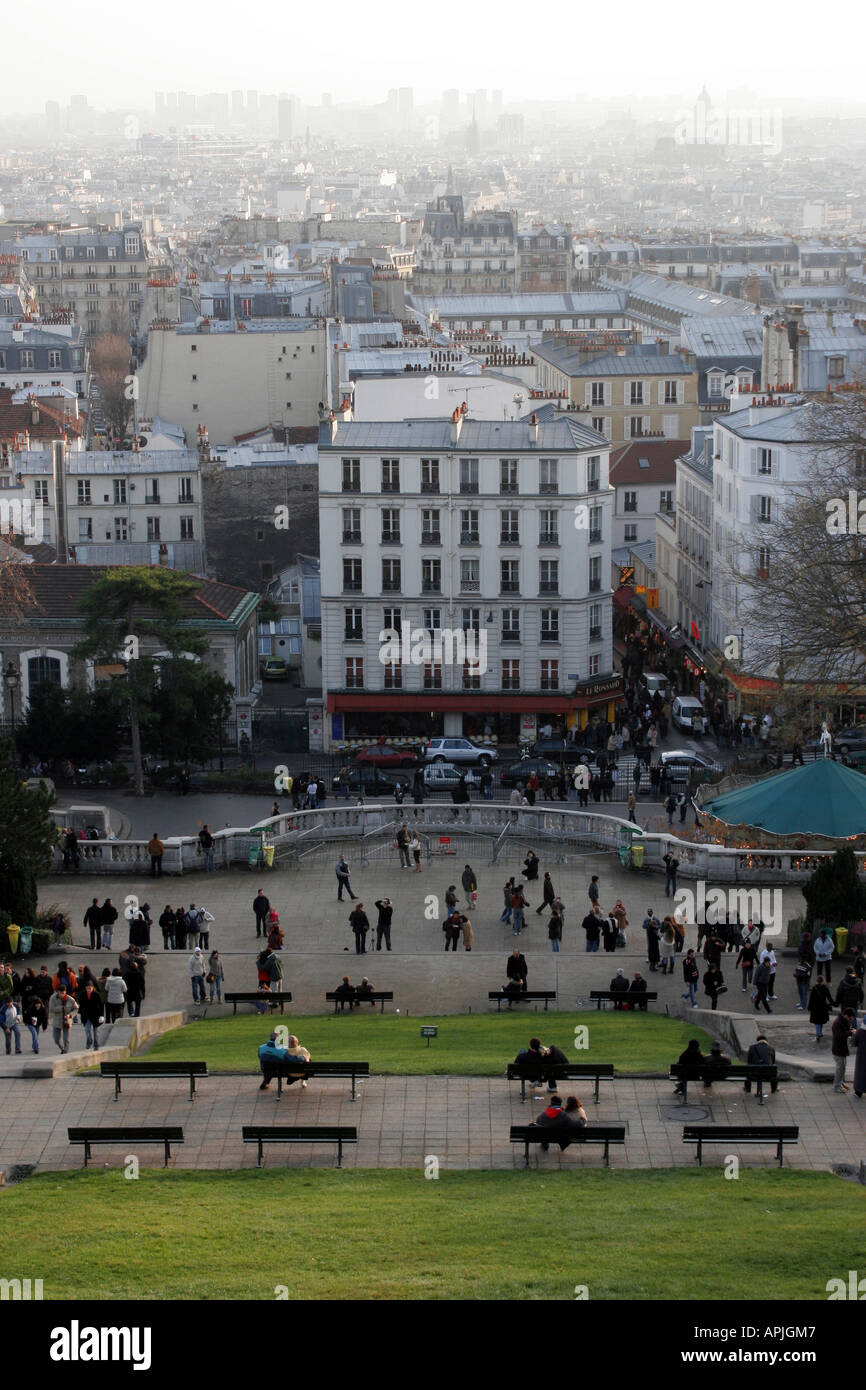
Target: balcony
550,634
548,487
595,537
433,586
351,538
469,538
352,586
549,586
431,537
594,586
429,485
549,538
390,485
508,488
351,485
595,634
390,538
470,586
510,634
469,489
509,538
593,484
510,586
353,635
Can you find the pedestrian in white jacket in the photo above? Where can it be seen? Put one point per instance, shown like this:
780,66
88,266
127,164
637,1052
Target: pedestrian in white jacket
196,971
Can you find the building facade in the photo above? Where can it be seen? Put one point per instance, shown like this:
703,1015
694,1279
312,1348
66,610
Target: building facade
457,254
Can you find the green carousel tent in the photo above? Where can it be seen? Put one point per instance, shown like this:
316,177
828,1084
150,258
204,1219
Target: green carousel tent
822,798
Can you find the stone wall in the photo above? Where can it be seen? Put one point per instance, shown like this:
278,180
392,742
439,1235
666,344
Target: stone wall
239,511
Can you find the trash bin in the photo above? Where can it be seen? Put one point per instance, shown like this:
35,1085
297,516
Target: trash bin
637,856
13,931
841,934
268,854
25,941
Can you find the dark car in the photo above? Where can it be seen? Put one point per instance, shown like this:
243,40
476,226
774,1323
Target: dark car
370,780
847,740
383,755
518,772
559,750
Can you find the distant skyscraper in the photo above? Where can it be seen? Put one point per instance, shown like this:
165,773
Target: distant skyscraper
479,101
284,120
237,106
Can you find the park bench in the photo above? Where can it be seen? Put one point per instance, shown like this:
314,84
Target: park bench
741,1134
529,1072
590,1134
300,1134
738,1071
526,996
376,996
253,997
126,1134
623,996
124,1070
292,1067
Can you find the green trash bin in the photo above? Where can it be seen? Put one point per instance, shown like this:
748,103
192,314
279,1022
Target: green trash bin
637,856
841,935
25,941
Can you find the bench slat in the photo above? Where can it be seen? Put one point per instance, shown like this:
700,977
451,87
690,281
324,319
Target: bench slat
299,1134
780,1135
594,1134
125,1134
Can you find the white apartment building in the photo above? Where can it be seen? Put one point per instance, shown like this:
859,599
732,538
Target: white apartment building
693,546
496,534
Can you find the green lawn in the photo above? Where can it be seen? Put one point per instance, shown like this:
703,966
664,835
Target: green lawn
390,1234
467,1045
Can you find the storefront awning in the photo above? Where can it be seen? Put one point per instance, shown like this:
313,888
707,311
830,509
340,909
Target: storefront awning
659,621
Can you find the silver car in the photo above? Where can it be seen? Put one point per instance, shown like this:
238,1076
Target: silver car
459,750
448,775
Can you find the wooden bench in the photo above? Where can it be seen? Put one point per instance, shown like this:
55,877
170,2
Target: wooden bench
376,996
622,996
530,1072
738,1071
741,1134
300,1134
124,1070
126,1134
291,1067
590,1134
282,997
525,996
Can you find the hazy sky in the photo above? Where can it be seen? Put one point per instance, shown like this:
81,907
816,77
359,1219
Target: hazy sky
118,56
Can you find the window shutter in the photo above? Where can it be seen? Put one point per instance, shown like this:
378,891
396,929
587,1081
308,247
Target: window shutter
754,458
608,393
646,423
587,393
681,392
661,393
626,393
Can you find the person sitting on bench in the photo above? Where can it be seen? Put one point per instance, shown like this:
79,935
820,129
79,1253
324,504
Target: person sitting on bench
270,1052
562,1120
540,1057
364,993
692,1058
715,1066
346,993
638,986
761,1054
618,985
302,1055
513,990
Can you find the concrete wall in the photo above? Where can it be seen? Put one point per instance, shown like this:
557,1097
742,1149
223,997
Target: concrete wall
239,505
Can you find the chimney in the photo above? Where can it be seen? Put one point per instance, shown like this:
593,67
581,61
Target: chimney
456,426
533,428
829,318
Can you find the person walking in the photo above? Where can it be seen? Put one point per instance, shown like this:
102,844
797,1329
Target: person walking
402,841
383,926
592,926
215,976
554,929
667,946
769,955
91,1014
135,989
691,975
342,871
820,1006
195,970
849,994
844,1028
746,963
93,922
763,974
108,915
155,849
518,907
62,1009
652,926
631,807
592,891
360,924
619,913
714,985
802,976
823,949
470,885
415,848
671,864
609,931
115,994
548,894
10,1019
507,894
670,807
205,839
261,908
35,1018
451,928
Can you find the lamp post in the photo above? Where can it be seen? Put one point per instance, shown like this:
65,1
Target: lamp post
11,681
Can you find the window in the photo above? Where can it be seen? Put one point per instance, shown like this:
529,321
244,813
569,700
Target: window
594,525
716,385
764,562
549,675
594,664
548,475
508,475
390,526
40,490
390,475
151,490
468,475
391,576
596,393
351,525
510,625
765,461
548,582
84,492
666,500
186,528
601,424
763,509
433,675
27,359
630,532
471,620
354,673
548,533
629,501
85,528
54,359
595,574
594,622
509,527
392,618
432,619
636,426
120,528
429,475
511,675
671,396
351,475
835,366
153,528
393,675
509,571
593,473
471,676
430,532
636,392
550,624
351,576
43,670
470,576
469,527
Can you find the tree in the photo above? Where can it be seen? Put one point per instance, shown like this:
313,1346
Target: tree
81,725
110,360
835,892
124,611
187,710
16,591
802,580
27,834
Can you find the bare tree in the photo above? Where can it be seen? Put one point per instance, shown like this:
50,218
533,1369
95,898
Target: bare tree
16,591
110,360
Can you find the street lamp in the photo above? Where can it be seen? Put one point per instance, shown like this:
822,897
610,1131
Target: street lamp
11,681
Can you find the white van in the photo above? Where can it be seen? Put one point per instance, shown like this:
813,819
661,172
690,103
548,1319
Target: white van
653,681
687,713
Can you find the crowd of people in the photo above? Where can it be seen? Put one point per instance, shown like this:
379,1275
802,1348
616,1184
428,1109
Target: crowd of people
38,1000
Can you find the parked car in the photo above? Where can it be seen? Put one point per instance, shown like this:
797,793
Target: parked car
384,755
846,740
518,772
681,764
559,750
688,714
448,775
274,668
370,780
459,750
